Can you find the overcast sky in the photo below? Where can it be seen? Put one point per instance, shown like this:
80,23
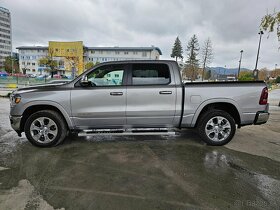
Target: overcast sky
232,25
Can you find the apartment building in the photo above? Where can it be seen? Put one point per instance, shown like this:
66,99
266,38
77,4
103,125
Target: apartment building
5,35
29,56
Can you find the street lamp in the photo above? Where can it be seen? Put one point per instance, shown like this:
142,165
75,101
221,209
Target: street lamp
241,51
256,72
275,70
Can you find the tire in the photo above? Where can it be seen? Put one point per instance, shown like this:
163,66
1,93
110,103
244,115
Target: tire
45,128
216,127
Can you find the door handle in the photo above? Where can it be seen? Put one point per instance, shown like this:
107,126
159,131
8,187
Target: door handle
116,93
165,92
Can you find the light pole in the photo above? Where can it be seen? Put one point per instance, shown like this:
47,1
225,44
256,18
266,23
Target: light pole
256,72
275,70
241,51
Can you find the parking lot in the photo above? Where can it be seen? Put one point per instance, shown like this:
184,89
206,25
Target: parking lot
143,172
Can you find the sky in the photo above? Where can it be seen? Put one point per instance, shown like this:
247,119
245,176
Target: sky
232,25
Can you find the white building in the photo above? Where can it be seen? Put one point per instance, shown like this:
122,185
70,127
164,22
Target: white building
103,54
29,56
29,59
5,35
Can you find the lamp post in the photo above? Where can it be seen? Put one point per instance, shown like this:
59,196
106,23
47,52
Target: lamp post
256,72
241,51
275,70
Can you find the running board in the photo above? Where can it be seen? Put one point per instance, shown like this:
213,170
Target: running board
127,132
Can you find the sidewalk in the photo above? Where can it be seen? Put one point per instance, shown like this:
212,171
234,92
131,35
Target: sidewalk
5,91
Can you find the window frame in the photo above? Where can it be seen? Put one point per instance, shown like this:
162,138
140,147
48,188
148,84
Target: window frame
124,81
129,81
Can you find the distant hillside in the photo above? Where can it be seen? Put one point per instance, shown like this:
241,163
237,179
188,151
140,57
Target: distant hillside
227,71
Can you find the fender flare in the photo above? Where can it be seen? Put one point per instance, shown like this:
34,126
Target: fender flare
54,104
212,101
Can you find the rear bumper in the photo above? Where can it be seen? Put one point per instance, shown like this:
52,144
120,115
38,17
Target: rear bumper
261,118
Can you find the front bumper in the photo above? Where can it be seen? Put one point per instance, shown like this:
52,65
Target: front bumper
261,118
15,123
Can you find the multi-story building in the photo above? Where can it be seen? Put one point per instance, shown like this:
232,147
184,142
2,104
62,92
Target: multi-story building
103,54
5,35
29,56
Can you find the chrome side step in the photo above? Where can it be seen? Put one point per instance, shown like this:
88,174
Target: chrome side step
127,132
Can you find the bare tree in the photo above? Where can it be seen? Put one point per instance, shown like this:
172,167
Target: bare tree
207,55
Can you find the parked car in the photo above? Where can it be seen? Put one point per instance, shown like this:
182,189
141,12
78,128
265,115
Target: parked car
150,99
42,76
3,74
31,75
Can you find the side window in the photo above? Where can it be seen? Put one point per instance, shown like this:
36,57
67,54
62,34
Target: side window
150,74
107,76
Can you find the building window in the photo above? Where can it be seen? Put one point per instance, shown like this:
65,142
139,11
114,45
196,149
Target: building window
33,64
117,75
28,63
117,52
125,52
135,53
144,54
33,70
92,52
23,63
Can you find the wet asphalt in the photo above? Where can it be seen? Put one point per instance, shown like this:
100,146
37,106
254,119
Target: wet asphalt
143,172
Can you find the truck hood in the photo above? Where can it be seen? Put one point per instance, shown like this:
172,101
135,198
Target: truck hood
45,87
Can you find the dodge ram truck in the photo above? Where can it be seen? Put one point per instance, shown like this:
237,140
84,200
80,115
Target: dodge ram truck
136,98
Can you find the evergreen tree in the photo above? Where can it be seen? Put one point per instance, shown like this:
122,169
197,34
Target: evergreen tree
177,50
192,57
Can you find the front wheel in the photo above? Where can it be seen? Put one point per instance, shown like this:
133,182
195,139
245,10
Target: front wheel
45,128
216,127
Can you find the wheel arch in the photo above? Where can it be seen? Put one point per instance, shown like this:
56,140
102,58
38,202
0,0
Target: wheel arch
39,106
228,106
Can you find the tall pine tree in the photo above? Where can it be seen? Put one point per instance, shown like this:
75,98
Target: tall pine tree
177,50
192,57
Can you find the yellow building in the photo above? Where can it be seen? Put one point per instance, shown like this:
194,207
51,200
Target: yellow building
71,53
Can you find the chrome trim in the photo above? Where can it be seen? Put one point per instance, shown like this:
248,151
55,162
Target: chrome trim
261,118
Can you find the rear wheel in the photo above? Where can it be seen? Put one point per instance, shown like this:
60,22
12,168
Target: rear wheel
216,127
45,128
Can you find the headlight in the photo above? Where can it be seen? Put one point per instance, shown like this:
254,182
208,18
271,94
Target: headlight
17,99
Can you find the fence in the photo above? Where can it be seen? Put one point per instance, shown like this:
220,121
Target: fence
15,81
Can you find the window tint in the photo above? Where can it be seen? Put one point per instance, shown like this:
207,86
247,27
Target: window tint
150,74
107,75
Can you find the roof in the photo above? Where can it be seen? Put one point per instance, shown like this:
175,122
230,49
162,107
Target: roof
32,48
98,48
4,9
126,49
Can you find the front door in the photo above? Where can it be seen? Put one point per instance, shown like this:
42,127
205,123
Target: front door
101,104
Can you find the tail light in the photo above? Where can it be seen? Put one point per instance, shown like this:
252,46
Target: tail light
264,96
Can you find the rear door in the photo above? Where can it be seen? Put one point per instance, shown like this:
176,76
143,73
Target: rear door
151,95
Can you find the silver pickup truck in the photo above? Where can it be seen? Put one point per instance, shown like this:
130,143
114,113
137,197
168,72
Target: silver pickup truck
136,98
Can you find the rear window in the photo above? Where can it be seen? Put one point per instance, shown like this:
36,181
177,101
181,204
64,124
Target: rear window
150,74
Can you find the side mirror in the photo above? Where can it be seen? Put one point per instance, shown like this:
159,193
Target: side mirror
84,81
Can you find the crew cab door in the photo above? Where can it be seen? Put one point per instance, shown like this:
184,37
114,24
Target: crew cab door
151,96
101,104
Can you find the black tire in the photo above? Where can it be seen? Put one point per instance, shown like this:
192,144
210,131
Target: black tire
57,126
217,134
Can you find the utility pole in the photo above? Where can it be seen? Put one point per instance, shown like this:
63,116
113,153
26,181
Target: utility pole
256,72
241,51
